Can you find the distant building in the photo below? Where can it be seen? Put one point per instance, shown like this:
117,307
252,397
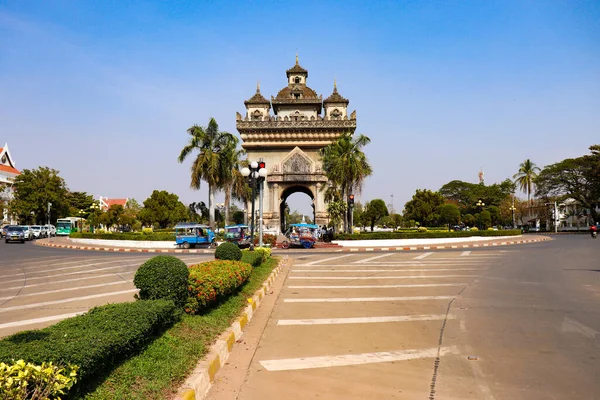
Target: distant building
105,202
8,173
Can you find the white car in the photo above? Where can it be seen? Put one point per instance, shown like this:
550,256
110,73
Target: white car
27,234
51,230
36,231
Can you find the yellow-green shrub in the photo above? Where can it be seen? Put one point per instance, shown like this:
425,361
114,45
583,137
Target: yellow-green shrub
474,228
422,229
27,381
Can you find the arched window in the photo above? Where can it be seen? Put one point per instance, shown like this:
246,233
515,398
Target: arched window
297,79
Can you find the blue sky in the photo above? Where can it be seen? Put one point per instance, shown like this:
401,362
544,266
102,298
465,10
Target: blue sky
104,91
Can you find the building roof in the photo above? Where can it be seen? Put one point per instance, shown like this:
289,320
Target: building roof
289,91
296,70
7,165
335,97
105,203
9,169
258,98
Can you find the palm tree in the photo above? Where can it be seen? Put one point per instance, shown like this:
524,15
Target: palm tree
346,166
525,177
230,179
207,166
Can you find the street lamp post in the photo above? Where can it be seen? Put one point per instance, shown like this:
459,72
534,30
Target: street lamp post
94,207
81,214
257,173
480,204
512,210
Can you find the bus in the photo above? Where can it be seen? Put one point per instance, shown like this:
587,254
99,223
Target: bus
64,226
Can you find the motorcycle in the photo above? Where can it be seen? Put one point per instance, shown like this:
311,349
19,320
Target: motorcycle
594,234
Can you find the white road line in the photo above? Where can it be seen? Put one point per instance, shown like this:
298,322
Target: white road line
401,264
379,277
72,299
39,320
289,364
364,320
65,268
67,280
376,286
65,290
465,253
366,260
361,299
570,325
423,256
328,259
335,271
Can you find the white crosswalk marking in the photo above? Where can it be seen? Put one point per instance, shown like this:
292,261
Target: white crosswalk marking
72,299
364,320
377,286
379,277
423,256
465,253
367,299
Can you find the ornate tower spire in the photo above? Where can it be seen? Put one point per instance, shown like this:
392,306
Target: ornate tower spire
297,58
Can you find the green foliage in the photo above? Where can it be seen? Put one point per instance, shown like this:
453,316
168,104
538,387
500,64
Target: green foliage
33,189
525,178
449,214
425,235
576,178
469,220
96,341
27,381
211,281
375,210
336,210
465,194
269,239
424,207
485,219
79,201
162,277
251,257
162,208
151,236
228,251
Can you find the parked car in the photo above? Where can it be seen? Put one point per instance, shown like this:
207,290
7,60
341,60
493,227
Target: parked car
51,230
27,232
36,231
45,231
3,231
15,233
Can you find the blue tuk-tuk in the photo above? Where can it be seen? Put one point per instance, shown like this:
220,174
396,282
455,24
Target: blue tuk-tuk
300,235
238,234
191,234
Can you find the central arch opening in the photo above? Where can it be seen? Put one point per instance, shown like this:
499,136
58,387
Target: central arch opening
295,204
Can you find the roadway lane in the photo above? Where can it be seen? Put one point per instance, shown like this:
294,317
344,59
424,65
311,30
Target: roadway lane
404,325
41,286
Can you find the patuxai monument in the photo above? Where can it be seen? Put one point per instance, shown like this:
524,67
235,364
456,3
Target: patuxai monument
289,139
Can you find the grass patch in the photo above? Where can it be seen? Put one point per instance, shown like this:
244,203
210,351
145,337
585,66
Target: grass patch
158,371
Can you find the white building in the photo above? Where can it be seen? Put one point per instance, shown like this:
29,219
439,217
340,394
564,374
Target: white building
8,173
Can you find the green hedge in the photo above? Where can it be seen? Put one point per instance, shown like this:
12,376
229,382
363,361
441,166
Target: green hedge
96,341
253,258
162,277
165,237
423,235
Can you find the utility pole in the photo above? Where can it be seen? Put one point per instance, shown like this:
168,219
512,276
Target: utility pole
392,207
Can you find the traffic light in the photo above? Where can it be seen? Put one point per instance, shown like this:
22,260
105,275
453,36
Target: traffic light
261,164
351,200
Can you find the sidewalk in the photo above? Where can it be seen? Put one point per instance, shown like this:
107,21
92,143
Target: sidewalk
339,246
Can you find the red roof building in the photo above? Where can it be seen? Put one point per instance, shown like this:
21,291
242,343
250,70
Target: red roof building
105,202
8,173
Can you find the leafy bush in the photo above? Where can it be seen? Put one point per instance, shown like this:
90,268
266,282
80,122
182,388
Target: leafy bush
160,236
474,229
422,229
96,341
252,258
147,230
425,235
27,381
263,252
162,277
270,240
228,251
213,280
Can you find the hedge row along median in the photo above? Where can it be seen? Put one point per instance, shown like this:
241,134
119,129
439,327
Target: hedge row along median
153,236
95,341
424,235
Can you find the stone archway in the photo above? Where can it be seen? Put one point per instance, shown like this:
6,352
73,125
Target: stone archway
287,192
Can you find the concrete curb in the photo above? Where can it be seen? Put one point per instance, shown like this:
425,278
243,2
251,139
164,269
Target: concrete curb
199,382
439,247
45,243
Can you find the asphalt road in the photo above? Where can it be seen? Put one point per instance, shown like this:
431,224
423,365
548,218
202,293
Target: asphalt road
510,323
39,286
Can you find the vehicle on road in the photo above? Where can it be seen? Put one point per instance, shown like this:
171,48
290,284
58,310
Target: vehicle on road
15,233
191,234
27,232
238,234
51,230
36,232
300,235
64,226
3,231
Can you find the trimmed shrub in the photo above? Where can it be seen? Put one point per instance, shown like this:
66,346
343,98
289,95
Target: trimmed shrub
158,237
422,229
162,277
269,240
96,341
251,257
474,229
27,381
209,282
228,251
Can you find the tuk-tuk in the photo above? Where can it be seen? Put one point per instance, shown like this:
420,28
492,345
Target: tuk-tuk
238,234
300,235
191,234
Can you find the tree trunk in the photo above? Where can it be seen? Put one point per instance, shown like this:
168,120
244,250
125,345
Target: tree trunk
211,207
345,200
227,201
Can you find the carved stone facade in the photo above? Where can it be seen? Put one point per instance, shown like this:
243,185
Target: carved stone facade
288,141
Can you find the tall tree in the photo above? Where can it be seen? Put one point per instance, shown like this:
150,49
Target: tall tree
208,165
424,207
375,210
162,208
577,178
33,189
232,181
346,165
449,214
525,178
